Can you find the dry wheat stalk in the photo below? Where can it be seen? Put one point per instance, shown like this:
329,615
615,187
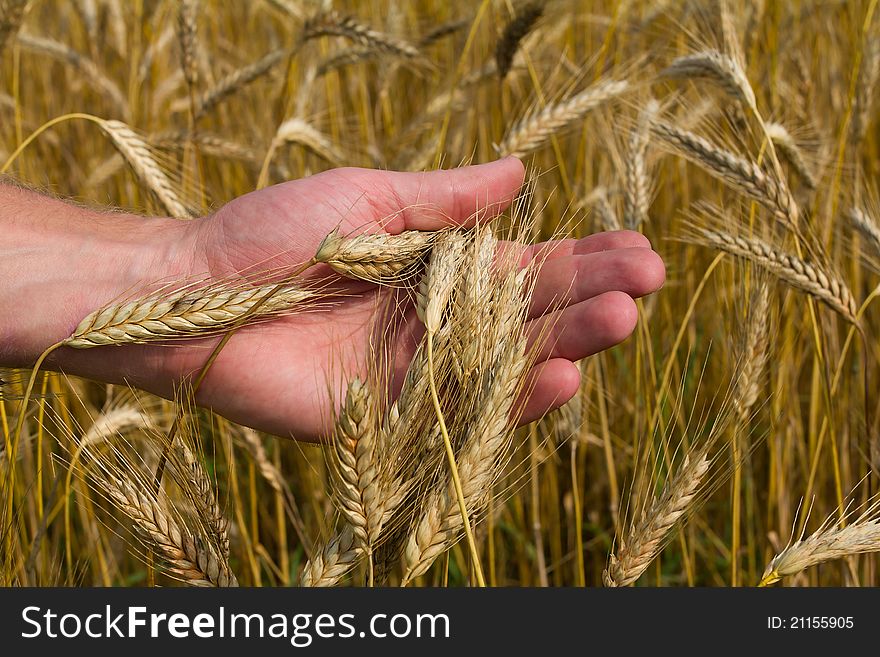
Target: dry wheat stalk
182,314
787,147
535,128
138,156
188,557
721,69
637,191
331,23
737,172
831,541
810,278
89,70
866,225
646,535
513,34
440,278
755,353
376,257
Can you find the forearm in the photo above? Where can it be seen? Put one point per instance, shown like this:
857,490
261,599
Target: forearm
59,262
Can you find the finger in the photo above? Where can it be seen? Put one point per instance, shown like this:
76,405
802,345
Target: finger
548,386
617,239
585,328
564,281
453,197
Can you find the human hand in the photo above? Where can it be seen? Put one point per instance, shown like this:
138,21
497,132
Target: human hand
273,375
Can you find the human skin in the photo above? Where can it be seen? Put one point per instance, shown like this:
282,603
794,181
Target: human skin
59,262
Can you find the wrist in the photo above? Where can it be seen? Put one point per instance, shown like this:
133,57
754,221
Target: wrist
63,262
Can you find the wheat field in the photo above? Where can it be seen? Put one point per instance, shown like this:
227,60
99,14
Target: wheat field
732,440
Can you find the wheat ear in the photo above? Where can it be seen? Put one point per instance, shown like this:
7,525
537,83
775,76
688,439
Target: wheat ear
646,536
89,70
787,147
514,32
737,172
535,129
11,16
637,191
866,225
188,558
137,154
718,67
829,542
810,278
376,257
332,23
755,352
238,79
183,314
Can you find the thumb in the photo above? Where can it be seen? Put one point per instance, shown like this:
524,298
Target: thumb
437,199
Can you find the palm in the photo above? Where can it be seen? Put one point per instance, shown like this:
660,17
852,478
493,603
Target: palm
276,375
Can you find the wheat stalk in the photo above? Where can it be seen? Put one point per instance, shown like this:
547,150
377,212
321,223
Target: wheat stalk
183,314
810,278
533,130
